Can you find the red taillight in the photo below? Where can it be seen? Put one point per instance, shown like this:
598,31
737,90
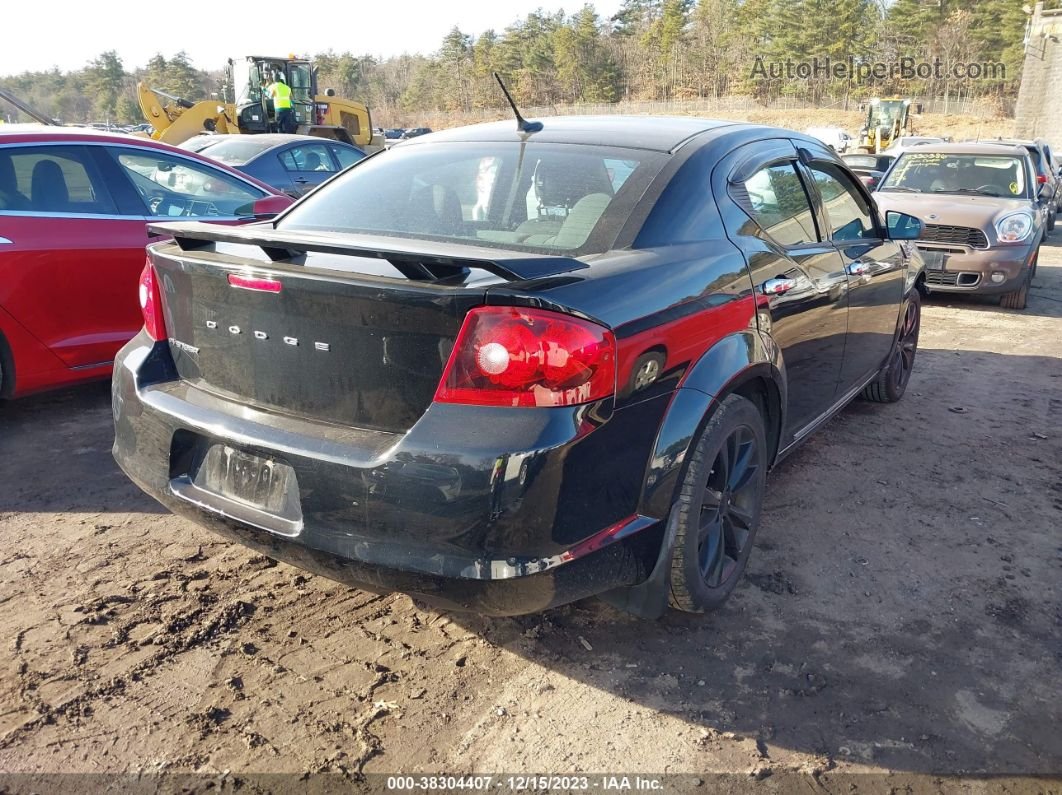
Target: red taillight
1041,179
509,356
249,283
151,303
868,181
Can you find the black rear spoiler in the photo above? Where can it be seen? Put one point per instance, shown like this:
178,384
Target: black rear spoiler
445,260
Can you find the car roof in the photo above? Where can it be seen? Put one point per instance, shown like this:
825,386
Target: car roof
659,133
969,148
10,133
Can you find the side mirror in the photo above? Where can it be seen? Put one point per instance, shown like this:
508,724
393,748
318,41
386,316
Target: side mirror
902,226
270,206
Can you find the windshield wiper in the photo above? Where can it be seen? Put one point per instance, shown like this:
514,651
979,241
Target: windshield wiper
979,191
901,187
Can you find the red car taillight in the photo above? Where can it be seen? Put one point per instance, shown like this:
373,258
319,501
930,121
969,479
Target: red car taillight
510,356
151,303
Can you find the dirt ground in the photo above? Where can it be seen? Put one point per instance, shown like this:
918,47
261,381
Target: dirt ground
901,615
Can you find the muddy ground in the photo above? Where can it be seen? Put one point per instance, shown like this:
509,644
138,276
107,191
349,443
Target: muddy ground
901,613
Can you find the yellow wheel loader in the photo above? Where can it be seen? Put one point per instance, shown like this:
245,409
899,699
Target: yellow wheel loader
247,108
886,120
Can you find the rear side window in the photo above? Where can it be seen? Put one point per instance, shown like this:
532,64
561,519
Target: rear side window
346,155
847,212
313,157
776,200
52,179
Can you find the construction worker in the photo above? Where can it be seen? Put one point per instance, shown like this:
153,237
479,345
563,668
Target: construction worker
280,93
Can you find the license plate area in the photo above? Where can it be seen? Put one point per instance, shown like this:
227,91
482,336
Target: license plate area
935,259
256,489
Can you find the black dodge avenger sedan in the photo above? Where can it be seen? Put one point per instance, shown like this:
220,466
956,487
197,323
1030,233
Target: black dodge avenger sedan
505,368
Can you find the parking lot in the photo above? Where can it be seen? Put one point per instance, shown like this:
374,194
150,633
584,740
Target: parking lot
901,612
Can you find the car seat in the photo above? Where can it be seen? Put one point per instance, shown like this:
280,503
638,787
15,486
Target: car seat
435,209
48,189
10,197
313,162
562,184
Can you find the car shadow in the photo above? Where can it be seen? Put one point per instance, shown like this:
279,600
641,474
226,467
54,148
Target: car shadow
72,426
901,606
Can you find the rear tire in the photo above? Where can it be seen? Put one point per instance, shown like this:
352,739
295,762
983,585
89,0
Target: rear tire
720,499
892,380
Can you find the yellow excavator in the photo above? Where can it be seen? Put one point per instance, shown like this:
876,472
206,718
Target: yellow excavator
247,109
886,120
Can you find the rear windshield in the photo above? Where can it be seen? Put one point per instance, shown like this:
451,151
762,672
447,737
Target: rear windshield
936,172
536,197
236,151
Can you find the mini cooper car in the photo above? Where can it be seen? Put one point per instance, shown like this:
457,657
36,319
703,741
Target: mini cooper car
506,368
984,215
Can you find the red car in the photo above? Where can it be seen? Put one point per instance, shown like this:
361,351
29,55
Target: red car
74,209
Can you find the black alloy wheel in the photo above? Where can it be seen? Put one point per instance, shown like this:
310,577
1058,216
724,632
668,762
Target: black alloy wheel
892,380
720,498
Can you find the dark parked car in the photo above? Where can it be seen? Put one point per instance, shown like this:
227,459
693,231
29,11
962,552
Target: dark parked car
294,164
869,168
417,380
415,132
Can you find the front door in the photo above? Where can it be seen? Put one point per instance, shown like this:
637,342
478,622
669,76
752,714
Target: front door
797,274
875,265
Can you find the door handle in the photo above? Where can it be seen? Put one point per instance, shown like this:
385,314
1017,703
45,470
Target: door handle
5,242
301,180
777,286
858,268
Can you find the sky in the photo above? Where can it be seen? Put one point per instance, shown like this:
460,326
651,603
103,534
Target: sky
68,34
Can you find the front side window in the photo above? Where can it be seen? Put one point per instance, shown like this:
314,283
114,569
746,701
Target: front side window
172,187
52,179
775,198
311,157
502,195
847,212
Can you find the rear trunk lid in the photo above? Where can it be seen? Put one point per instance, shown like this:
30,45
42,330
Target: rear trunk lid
353,331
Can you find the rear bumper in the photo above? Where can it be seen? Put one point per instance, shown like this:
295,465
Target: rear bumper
971,271
443,511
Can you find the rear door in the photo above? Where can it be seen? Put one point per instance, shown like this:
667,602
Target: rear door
307,165
69,273
797,274
874,264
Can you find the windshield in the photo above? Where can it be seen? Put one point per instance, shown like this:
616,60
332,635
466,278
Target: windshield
883,113
861,161
197,143
237,150
937,172
300,83
246,82
537,197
